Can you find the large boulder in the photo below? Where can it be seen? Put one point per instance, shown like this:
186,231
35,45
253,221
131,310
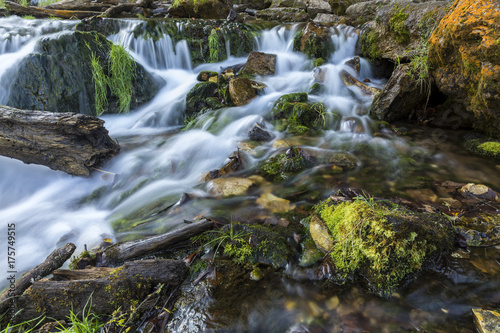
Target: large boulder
464,54
401,95
382,243
339,7
315,7
59,76
202,96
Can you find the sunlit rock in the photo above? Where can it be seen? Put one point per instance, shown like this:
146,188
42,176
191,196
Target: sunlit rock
230,186
320,234
241,91
274,204
259,63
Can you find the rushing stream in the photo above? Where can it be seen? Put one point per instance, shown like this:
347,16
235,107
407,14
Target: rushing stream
159,162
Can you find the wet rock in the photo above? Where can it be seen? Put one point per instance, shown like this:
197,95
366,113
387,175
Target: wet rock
400,97
206,75
383,243
479,191
317,89
274,204
199,97
284,165
297,115
350,80
259,63
314,41
363,10
316,7
285,14
209,9
58,77
310,253
465,61
320,74
480,230
238,160
320,234
230,186
258,133
487,321
241,91
256,4
354,63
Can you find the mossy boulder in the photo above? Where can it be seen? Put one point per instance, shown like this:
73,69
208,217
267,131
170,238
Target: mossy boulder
58,77
205,9
481,145
207,76
339,7
200,97
383,242
297,115
314,41
464,54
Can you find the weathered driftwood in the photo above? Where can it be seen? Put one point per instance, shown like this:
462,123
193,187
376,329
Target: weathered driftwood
55,260
119,288
83,5
134,249
73,143
40,12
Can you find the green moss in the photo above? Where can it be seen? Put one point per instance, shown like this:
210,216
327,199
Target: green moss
383,242
282,166
196,99
397,25
318,62
369,42
251,243
490,149
317,89
481,145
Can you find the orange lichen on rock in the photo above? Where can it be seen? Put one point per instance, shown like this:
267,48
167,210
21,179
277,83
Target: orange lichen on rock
464,54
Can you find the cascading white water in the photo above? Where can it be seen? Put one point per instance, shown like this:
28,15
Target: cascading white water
52,207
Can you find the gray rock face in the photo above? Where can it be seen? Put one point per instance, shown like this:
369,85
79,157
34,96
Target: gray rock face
315,7
399,98
59,78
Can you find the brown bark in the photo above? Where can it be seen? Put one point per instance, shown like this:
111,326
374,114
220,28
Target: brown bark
73,143
55,260
40,12
119,288
134,249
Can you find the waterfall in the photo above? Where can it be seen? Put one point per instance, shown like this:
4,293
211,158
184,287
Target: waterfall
157,161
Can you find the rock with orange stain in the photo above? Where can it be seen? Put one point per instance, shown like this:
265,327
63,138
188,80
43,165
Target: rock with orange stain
464,55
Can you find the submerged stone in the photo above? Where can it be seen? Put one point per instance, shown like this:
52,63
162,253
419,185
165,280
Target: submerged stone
230,186
320,234
487,321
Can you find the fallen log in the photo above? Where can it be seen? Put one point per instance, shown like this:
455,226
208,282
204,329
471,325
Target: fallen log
134,249
70,142
83,5
118,288
40,12
55,260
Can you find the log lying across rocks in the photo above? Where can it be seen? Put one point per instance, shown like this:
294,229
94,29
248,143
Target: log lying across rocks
55,260
103,289
73,143
40,12
121,252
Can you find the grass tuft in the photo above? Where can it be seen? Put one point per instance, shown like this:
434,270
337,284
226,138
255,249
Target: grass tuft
122,70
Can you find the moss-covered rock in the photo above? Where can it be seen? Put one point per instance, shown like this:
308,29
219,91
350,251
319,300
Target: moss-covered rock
207,76
297,115
464,54
383,242
200,97
481,145
282,166
259,63
314,41
59,77
285,14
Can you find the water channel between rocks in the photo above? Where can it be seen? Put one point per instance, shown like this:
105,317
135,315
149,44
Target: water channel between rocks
160,162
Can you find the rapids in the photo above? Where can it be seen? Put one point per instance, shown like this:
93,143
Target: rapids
160,162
